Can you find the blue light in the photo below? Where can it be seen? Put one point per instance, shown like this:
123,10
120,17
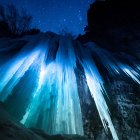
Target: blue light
55,99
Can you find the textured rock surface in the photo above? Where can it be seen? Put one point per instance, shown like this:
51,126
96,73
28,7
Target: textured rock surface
114,26
126,111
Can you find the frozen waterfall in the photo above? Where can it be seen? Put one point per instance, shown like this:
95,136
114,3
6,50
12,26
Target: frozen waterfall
42,76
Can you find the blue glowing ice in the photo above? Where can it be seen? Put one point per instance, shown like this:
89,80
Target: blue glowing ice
54,104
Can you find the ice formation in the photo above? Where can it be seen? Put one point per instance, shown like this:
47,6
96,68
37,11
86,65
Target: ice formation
43,71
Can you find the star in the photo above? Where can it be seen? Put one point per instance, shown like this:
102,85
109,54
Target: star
80,18
48,15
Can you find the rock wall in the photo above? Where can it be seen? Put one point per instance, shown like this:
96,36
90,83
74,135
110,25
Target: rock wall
114,26
126,108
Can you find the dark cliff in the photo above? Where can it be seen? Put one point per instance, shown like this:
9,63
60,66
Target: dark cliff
114,25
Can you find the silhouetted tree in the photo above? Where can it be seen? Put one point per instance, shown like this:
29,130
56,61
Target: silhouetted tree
17,22
31,32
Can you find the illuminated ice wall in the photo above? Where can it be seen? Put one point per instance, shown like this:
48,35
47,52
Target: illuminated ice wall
39,83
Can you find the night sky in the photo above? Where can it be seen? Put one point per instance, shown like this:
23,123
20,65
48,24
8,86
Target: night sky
56,15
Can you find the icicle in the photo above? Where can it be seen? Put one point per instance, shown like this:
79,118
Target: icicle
15,72
55,105
56,99
95,84
130,72
96,92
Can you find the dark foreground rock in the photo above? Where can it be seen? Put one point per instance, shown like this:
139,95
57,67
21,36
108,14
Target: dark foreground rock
12,130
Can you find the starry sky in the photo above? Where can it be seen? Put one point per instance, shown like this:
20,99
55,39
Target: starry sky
56,15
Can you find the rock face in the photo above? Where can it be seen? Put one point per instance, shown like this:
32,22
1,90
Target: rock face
125,108
12,130
112,13
114,25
